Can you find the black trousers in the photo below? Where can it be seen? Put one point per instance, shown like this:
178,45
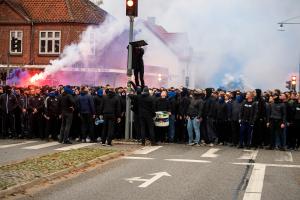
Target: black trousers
275,131
9,127
137,127
108,129
147,122
87,126
36,125
139,75
235,132
221,128
259,133
293,135
66,123
210,130
52,126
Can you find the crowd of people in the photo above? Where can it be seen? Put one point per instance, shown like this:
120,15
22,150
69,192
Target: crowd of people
252,119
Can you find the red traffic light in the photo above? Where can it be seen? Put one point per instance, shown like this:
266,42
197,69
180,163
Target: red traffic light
132,8
130,3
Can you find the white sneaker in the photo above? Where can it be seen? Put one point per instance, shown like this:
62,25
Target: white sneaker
99,139
191,144
83,140
211,144
88,140
77,139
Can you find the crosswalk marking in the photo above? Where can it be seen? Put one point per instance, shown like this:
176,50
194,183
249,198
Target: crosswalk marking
188,160
76,146
16,144
249,155
284,157
256,182
210,153
137,158
147,150
40,146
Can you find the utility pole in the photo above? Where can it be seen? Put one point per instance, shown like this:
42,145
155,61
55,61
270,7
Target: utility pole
128,122
131,12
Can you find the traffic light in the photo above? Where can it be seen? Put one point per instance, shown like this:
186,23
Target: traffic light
132,8
288,85
15,44
293,83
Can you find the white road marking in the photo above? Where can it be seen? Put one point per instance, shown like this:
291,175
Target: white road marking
210,153
256,182
269,165
137,158
17,144
147,150
148,182
40,146
249,155
188,160
76,146
284,157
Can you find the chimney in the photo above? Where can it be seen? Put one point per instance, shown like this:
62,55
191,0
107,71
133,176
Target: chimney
152,20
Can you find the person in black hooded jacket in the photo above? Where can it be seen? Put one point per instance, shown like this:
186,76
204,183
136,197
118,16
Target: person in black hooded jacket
111,113
51,115
296,141
8,105
209,117
221,118
260,116
67,107
183,103
146,114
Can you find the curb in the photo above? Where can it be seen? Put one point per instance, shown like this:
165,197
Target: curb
22,187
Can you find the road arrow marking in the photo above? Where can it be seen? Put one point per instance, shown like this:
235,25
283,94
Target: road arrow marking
249,155
284,157
210,153
148,182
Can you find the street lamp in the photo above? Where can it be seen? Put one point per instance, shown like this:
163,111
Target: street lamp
281,28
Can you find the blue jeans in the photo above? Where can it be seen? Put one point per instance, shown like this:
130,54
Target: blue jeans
171,128
193,125
246,134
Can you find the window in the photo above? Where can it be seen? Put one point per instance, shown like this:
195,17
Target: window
16,38
50,42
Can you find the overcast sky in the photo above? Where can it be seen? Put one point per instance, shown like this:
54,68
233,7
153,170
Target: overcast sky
237,37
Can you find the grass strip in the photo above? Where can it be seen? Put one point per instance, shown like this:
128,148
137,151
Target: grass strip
34,168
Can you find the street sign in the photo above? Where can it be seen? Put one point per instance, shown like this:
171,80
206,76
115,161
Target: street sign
148,182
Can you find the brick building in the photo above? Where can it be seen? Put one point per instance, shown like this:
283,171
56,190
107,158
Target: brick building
33,32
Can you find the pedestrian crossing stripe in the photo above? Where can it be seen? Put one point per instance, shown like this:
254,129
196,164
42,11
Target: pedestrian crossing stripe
41,146
16,144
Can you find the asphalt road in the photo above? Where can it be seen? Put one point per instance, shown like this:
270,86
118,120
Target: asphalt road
181,172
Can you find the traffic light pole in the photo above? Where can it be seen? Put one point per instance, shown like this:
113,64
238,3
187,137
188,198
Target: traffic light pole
128,117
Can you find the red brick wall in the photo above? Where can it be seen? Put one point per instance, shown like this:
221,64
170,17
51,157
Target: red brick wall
69,33
12,21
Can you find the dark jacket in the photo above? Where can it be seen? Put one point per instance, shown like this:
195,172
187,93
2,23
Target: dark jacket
162,105
52,106
195,108
221,111
86,104
145,105
209,107
297,112
66,103
8,103
111,106
247,112
234,113
98,102
277,111
36,102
